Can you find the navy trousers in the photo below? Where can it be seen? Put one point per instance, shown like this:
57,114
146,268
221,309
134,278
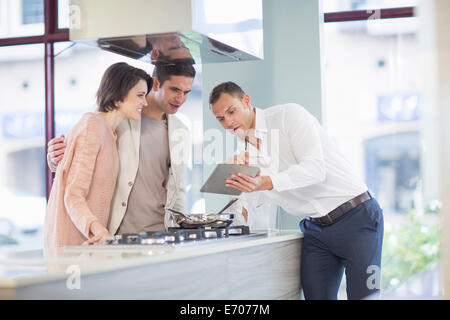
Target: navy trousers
352,243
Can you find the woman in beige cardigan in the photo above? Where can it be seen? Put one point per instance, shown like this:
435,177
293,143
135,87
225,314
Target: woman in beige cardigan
79,203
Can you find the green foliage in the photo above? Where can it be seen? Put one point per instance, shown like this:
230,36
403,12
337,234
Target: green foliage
409,247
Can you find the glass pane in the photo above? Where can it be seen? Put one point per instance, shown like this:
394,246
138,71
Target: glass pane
32,11
350,5
22,152
20,18
373,91
63,14
76,85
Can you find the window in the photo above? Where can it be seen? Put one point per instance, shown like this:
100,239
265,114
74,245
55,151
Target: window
22,140
25,123
373,107
63,14
21,18
32,11
3,18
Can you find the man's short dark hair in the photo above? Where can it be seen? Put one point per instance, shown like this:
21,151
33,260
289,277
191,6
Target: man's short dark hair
225,87
163,71
116,82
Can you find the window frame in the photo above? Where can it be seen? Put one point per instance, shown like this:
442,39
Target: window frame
359,15
51,35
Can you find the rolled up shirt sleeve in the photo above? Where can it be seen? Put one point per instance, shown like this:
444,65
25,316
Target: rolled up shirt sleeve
304,137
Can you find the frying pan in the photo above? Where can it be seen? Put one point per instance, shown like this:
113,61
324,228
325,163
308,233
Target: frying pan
201,220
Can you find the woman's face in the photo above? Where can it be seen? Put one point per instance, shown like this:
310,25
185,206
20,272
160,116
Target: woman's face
131,107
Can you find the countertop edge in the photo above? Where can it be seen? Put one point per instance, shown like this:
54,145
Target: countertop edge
180,253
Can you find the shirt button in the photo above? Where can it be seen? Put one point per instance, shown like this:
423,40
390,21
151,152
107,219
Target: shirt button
130,183
124,204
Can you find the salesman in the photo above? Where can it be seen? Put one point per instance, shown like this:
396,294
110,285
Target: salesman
308,176
152,174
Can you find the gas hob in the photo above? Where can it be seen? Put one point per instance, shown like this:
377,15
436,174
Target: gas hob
179,236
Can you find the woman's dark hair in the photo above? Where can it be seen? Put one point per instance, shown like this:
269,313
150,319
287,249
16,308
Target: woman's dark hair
226,87
116,82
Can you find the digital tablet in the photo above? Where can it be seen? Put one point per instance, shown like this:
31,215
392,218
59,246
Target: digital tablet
216,181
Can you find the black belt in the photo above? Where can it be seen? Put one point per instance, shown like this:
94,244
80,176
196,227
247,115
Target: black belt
342,209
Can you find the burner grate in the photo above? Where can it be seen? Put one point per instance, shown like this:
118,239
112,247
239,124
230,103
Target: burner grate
178,235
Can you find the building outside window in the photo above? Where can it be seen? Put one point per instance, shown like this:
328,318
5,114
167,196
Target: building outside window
32,11
22,140
374,108
20,18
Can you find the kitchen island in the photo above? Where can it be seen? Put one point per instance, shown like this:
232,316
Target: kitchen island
265,265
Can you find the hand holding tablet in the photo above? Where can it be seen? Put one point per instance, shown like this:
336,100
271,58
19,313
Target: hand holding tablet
216,181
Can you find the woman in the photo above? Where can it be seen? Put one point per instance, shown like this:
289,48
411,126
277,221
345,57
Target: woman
79,202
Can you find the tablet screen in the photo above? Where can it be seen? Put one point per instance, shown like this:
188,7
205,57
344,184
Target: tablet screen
216,181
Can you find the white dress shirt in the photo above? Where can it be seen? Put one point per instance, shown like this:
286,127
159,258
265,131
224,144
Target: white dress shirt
310,176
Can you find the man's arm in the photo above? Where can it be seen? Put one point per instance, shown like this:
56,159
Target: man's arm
181,198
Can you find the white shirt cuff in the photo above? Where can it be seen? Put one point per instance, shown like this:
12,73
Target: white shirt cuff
281,181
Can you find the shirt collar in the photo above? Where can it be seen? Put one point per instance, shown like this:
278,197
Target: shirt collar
260,128
260,123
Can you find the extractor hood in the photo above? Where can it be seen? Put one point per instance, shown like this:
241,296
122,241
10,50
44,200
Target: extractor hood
201,31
